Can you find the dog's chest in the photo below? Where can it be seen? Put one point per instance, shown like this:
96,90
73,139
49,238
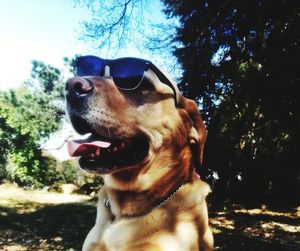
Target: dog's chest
159,230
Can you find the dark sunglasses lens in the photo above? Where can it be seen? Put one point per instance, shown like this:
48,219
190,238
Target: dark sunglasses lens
89,66
128,83
128,72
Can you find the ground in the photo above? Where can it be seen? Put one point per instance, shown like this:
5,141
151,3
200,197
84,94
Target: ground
40,220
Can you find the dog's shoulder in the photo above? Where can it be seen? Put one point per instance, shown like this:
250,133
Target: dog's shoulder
200,188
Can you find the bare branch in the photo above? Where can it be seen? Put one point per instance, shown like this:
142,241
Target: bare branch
112,31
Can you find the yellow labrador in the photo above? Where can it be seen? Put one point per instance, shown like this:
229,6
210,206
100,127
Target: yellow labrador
145,138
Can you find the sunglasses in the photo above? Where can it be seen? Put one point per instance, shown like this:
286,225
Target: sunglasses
127,73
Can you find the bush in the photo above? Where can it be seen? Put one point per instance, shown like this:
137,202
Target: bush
69,173
3,172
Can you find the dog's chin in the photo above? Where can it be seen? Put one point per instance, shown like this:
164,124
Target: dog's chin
122,154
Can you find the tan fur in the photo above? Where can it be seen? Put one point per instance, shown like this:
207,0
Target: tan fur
176,135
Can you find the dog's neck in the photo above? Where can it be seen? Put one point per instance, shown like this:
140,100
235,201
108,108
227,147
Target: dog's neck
130,204
138,203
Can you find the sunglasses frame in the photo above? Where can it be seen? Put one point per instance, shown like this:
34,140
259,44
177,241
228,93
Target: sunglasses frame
163,77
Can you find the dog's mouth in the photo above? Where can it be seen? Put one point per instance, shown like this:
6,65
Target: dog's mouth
103,156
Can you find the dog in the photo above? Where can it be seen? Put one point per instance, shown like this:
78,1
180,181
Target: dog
146,139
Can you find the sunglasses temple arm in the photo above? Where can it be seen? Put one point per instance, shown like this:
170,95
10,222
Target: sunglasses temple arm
164,78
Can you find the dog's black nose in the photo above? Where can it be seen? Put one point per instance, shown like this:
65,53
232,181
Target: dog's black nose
77,88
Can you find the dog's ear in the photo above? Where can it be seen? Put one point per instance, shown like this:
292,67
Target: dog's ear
197,134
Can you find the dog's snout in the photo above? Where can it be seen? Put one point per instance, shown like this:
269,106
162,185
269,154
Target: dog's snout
79,87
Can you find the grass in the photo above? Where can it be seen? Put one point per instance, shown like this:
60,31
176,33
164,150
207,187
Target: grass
39,220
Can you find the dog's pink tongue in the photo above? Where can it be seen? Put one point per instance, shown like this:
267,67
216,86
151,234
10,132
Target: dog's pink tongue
80,147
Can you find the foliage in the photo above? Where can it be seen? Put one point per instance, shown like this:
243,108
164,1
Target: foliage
29,115
240,61
46,74
68,172
70,63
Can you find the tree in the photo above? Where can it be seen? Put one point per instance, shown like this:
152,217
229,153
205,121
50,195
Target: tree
28,115
239,59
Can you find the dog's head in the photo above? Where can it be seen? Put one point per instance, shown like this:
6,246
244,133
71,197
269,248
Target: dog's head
139,124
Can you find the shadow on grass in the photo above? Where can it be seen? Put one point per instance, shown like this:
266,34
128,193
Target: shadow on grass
51,227
256,230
